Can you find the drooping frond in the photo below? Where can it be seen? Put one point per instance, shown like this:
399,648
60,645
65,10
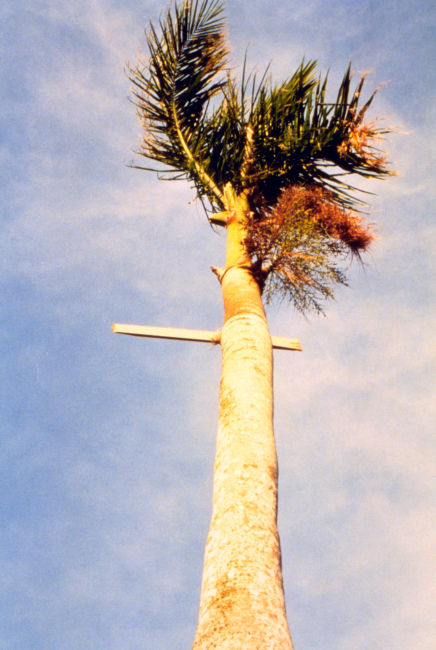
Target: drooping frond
175,85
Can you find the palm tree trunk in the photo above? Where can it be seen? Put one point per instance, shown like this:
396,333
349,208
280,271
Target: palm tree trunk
242,601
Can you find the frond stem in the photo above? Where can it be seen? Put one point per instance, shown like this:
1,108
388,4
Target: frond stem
205,178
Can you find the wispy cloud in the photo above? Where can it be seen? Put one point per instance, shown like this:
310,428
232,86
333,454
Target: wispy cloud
108,441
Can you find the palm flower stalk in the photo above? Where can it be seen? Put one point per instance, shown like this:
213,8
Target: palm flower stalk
270,163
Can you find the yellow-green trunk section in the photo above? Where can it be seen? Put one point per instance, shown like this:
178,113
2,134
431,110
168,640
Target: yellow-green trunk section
236,231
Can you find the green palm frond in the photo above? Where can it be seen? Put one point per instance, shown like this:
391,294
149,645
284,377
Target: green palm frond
300,138
174,87
296,137
244,137
261,137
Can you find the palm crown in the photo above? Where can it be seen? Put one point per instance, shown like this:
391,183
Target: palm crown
282,146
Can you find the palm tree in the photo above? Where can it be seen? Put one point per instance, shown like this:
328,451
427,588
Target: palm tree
269,163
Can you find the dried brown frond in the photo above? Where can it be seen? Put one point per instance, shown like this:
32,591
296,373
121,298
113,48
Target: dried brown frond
361,138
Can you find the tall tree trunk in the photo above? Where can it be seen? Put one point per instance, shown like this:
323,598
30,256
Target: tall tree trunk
242,601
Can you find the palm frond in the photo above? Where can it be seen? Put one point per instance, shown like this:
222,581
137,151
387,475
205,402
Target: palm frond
174,86
261,137
299,137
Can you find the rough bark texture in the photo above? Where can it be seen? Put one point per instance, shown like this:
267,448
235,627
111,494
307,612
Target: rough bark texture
242,601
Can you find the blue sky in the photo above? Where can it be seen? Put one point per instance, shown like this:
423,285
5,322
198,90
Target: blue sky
107,442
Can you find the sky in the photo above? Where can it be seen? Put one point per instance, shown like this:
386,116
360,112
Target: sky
107,442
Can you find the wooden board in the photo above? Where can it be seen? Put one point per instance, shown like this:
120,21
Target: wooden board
283,343
201,336
167,333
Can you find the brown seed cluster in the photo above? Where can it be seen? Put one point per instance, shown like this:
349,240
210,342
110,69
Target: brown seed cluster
298,247
313,204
